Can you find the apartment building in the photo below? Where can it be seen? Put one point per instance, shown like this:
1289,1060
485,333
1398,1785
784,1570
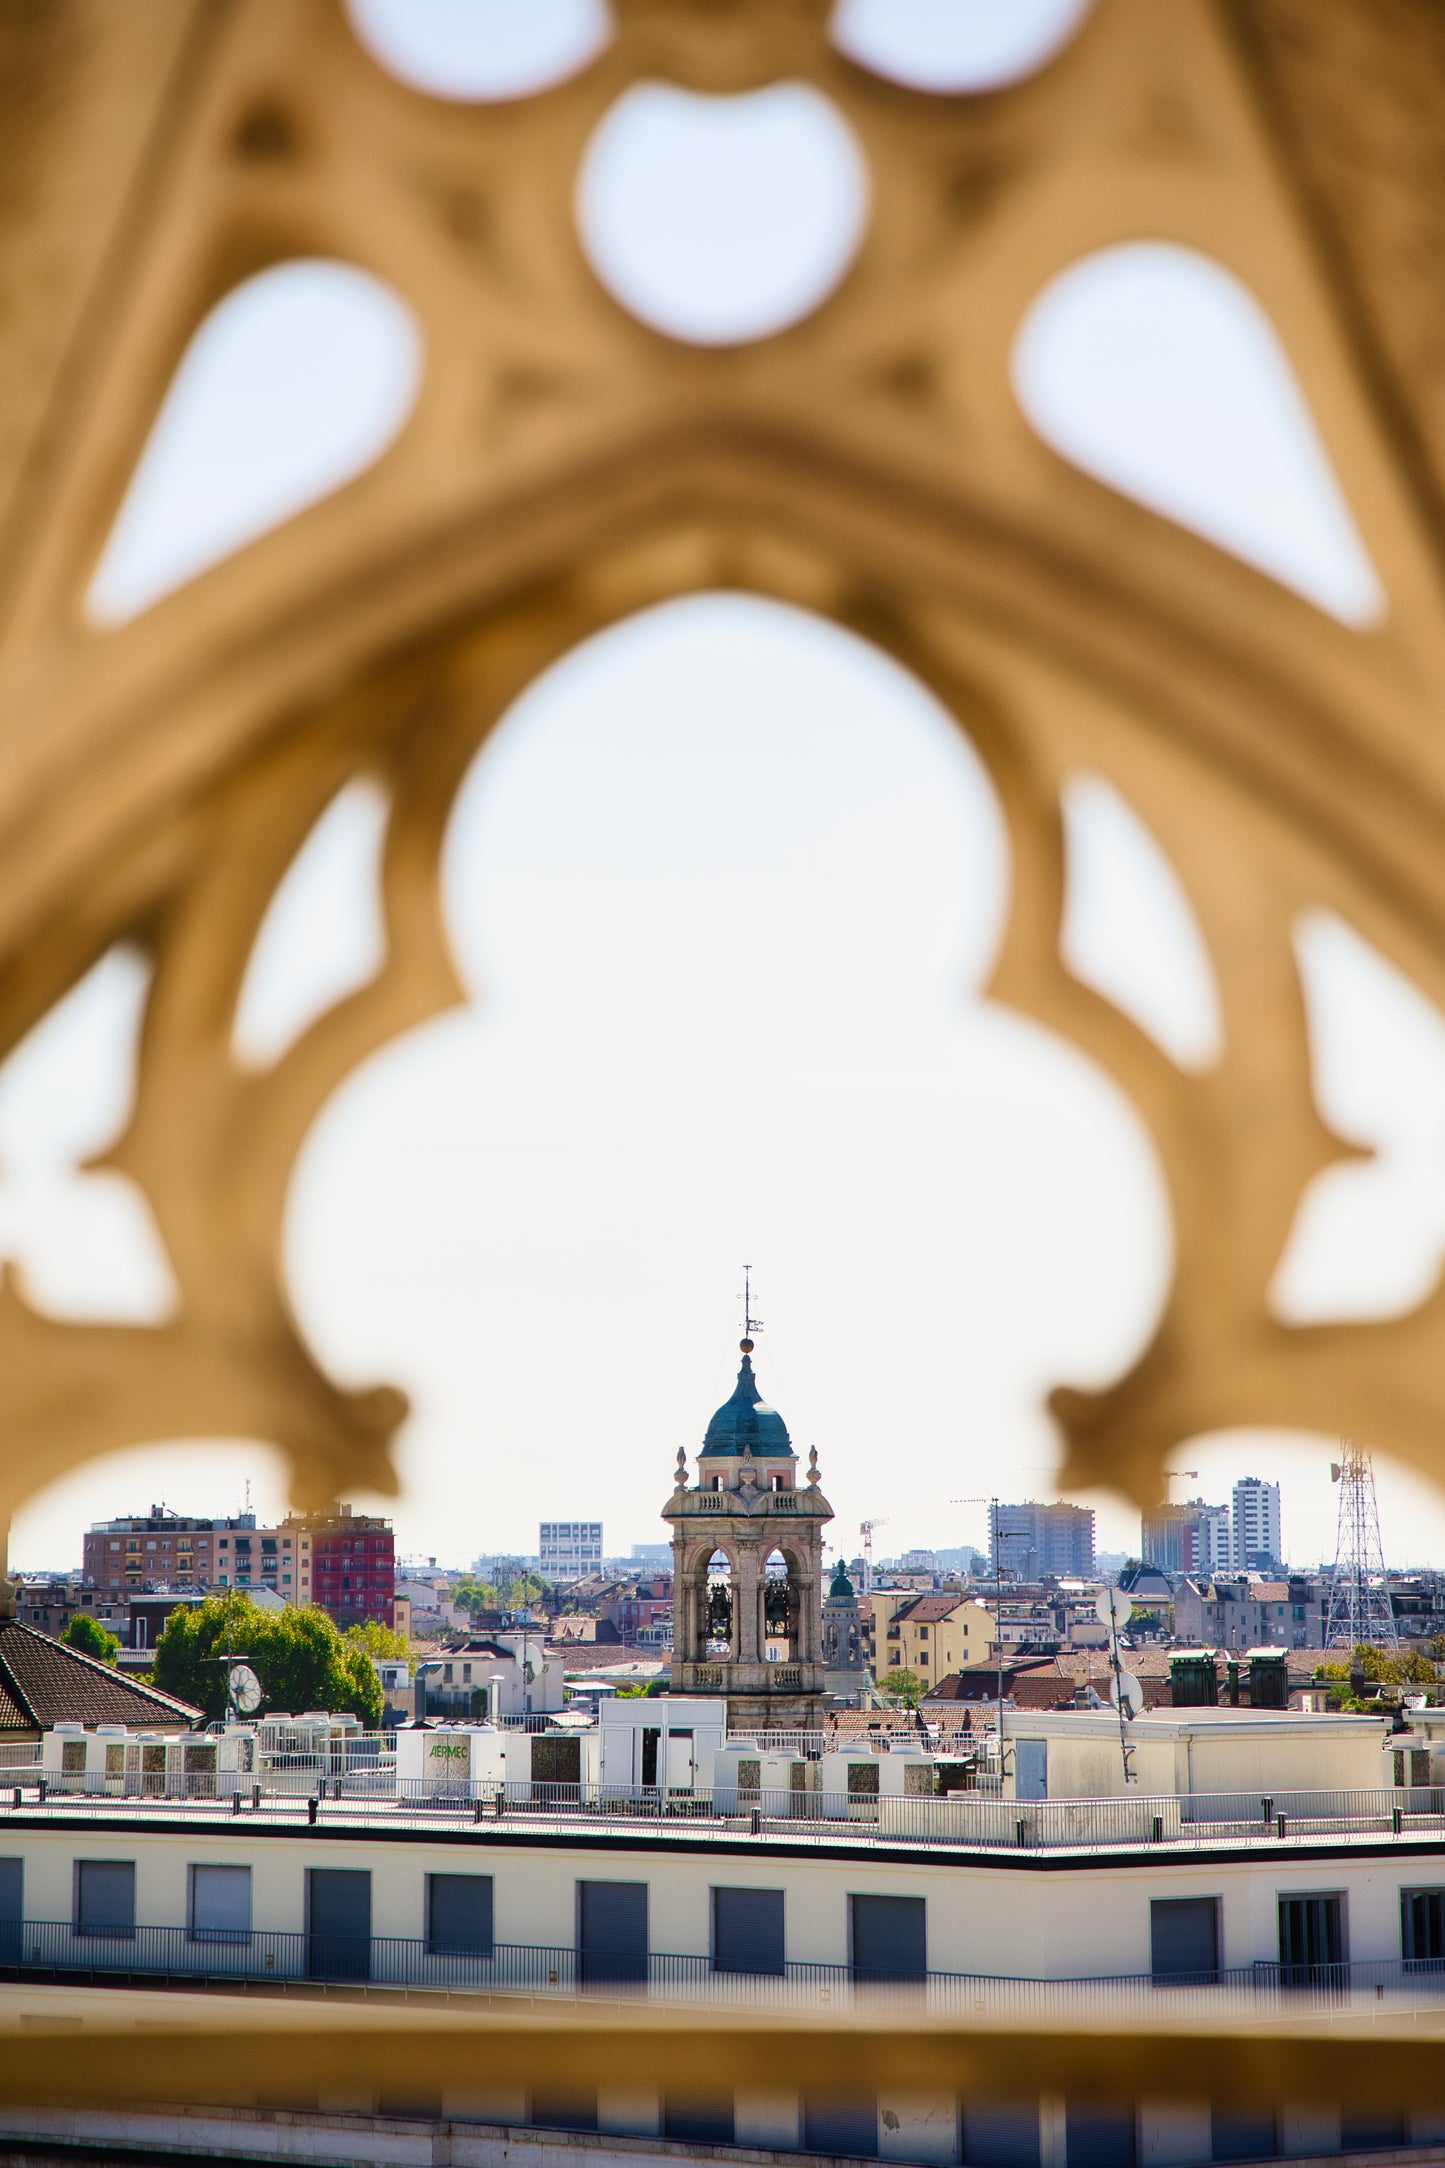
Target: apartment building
930,1635
1189,1538
1221,1612
1030,1542
343,1561
902,1885
1256,1542
180,1552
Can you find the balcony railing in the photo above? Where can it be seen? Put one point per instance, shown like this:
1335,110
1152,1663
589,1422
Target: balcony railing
267,1957
974,1821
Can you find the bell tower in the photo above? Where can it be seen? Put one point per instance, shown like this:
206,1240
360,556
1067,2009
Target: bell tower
739,1630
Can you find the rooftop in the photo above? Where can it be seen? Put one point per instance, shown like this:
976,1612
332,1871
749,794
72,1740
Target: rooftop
44,1683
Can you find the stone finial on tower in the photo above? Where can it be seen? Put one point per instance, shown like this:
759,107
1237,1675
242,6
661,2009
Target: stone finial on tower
679,1481
813,1475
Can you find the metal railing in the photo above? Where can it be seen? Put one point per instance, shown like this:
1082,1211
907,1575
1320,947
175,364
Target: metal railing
968,1821
267,1957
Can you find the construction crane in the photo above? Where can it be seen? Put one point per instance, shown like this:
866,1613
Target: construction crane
865,1530
1192,1472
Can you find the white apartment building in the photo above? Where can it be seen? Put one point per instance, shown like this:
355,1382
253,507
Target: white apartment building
1214,1539
569,1549
1074,1897
1255,1539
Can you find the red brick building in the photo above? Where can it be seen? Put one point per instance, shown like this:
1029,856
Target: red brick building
353,1566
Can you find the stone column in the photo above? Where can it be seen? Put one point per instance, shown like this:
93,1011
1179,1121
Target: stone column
747,1597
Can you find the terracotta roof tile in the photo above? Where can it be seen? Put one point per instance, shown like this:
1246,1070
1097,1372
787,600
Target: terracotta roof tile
44,1683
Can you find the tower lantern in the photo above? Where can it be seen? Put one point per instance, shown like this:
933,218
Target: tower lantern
738,1629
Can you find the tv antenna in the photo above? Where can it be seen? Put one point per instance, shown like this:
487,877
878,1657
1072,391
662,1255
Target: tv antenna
1112,1609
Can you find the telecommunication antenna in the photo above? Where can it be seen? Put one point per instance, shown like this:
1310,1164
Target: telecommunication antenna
1360,1608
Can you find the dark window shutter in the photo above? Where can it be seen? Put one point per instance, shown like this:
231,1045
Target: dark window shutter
1099,2137
105,1897
339,1920
889,1938
1184,1938
1001,2134
459,1914
840,2123
1243,2134
747,1930
698,2120
612,1931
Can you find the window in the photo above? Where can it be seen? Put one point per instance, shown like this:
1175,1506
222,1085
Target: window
747,1931
1311,1939
12,1908
1243,2134
459,1914
1422,1926
841,2124
1097,2136
612,1932
888,1938
105,1897
1184,1939
697,2120
220,1907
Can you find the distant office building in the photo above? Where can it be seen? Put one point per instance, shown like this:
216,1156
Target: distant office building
1191,1538
1255,1534
652,1554
569,1549
1029,1541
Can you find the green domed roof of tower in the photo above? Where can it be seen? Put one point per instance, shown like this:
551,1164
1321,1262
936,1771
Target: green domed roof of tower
745,1423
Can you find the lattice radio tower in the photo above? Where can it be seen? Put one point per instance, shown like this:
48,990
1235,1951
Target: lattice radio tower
1360,1607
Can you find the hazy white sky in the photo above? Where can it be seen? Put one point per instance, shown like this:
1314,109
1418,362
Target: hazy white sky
724,888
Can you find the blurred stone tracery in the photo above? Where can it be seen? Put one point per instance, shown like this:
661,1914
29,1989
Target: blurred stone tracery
565,465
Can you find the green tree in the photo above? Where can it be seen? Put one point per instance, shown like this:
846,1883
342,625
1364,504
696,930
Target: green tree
91,1638
472,1595
524,1590
902,1685
298,1655
381,1642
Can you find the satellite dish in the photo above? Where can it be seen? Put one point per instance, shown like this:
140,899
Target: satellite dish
1113,1606
244,1689
1126,1688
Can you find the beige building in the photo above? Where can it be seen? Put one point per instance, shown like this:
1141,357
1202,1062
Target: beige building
930,1635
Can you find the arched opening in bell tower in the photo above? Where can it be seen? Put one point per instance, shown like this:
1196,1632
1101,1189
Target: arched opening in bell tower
718,1608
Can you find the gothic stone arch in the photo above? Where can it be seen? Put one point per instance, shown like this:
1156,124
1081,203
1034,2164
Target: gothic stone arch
565,466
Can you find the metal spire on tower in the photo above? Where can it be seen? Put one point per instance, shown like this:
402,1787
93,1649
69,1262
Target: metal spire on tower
1360,1609
751,1325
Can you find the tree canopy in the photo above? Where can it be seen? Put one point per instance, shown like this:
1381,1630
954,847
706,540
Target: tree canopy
382,1642
901,1685
299,1657
91,1638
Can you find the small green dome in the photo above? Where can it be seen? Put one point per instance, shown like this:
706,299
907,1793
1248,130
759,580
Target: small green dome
745,1423
842,1588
